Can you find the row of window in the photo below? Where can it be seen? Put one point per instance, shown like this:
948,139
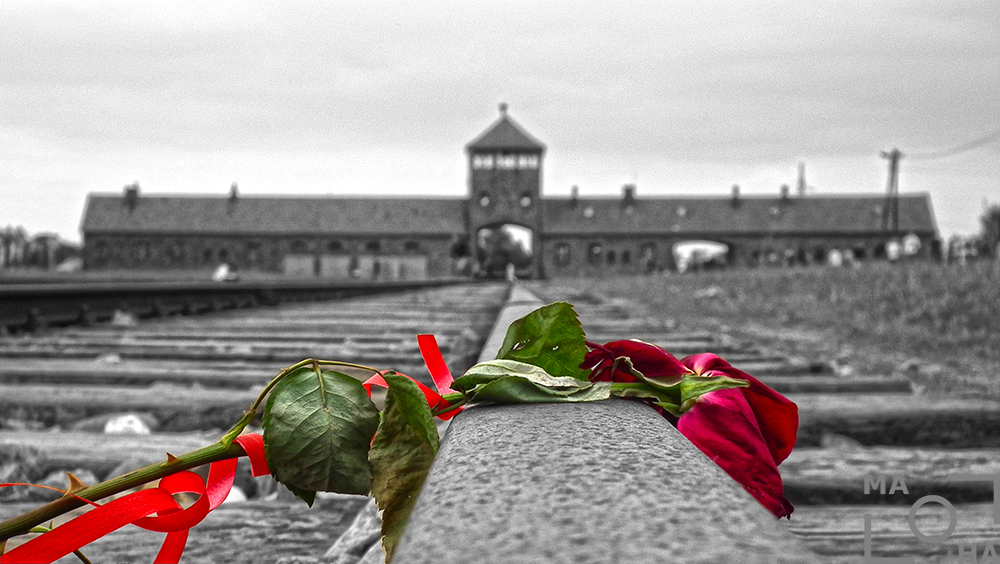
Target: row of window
598,255
503,161
176,253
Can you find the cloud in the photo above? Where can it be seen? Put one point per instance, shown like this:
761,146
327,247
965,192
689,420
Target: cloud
615,89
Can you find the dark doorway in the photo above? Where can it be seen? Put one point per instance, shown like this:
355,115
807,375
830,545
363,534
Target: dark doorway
502,245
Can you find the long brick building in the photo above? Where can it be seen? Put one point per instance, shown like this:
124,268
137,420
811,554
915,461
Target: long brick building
412,238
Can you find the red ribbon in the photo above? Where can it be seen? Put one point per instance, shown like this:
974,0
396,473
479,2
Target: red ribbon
439,374
137,508
155,509
435,364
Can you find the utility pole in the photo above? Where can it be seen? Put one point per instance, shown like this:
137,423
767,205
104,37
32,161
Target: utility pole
890,210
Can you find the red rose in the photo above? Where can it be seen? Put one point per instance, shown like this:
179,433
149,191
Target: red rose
649,359
748,432
776,415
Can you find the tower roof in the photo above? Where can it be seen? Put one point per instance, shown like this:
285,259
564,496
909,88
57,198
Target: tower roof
505,133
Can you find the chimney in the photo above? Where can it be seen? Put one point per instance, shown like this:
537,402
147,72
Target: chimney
574,196
628,194
132,195
802,179
784,193
234,196
736,196
628,198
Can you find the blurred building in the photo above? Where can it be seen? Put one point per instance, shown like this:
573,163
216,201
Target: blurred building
503,219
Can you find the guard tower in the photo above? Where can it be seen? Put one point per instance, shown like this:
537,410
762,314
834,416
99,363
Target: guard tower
505,180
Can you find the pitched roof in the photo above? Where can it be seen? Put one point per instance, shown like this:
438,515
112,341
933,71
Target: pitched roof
651,216
717,216
505,133
191,214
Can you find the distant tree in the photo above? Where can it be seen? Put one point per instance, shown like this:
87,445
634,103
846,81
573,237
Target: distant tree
13,246
989,238
18,249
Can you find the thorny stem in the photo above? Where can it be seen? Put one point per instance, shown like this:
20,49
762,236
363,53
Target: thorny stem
24,522
222,450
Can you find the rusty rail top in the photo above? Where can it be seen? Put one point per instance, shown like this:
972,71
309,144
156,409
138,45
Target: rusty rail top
30,306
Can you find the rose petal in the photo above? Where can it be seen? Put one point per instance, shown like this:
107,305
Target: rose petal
777,416
647,358
723,426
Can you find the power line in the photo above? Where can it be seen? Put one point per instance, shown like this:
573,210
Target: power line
955,150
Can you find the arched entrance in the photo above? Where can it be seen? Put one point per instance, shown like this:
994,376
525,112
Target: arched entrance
698,255
498,246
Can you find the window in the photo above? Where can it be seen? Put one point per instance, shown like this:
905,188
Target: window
373,246
682,211
335,246
588,212
484,200
562,254
527,161
174,253
612,257
411,246
525,200
594,252
626,257
482,161
253,252
647,252
506,161
300,246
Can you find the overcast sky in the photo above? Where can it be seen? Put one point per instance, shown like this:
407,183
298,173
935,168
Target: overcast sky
380,98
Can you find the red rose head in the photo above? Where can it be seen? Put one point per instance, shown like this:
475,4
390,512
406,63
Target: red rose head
748,432
649,359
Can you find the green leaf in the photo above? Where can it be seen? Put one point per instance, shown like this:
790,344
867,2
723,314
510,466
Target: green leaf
516,389
495,369
401,456
550,337
510,381
317,430
694,386
642,390
667,399
671,383
672,408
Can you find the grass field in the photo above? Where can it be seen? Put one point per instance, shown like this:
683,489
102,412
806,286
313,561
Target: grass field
938,324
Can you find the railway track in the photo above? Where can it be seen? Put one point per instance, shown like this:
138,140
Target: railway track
849,427
192,376
28,307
